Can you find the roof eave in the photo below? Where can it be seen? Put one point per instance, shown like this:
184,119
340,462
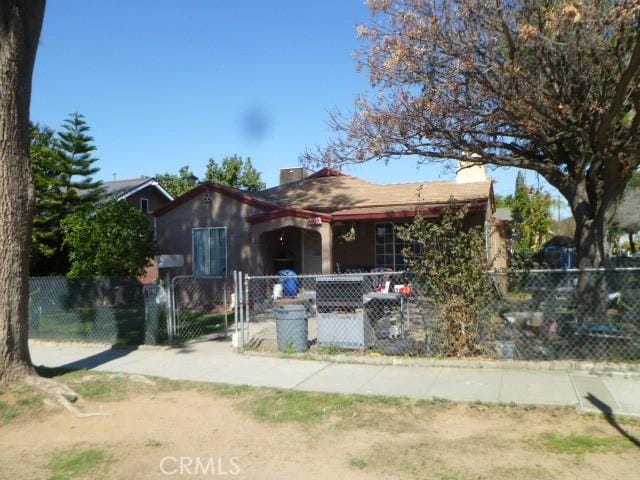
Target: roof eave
433,211
238,195
152,182
288,212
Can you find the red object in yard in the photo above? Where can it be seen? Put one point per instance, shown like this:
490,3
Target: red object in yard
406,290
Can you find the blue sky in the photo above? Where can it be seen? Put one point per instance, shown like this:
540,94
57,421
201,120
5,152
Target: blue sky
170,83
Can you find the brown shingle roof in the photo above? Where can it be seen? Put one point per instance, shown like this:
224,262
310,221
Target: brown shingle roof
334,193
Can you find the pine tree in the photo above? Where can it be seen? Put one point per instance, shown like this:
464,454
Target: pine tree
74,149
62,167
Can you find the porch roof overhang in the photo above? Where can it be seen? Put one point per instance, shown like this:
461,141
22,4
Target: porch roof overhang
288,212
405,211
380,212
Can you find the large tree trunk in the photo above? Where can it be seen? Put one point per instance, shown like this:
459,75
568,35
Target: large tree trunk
632,246
594,207
20,24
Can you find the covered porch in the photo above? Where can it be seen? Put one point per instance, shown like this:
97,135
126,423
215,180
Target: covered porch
364,245
303,245
310,243
307,248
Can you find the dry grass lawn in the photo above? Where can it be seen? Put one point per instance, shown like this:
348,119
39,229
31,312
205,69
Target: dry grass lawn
274,434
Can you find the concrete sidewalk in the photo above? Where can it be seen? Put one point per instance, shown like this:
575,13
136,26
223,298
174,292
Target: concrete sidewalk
216,362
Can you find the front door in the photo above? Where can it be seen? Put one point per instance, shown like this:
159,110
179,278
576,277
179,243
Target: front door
311,252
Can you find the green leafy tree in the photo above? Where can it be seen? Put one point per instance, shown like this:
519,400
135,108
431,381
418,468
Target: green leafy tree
45,235
531,211
451,261
179,184
503,201
235,172
115,240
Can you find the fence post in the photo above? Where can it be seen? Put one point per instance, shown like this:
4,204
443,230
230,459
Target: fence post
241,310
245,317
224,305
235,309
171,318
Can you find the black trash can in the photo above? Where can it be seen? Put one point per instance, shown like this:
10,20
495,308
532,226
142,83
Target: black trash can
292,329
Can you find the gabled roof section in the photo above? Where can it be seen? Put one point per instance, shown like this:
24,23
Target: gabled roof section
328,172
122,189
330,194
333,193
239,195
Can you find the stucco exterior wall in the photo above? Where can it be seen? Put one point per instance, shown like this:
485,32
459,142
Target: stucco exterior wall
361,252
174,230
250,246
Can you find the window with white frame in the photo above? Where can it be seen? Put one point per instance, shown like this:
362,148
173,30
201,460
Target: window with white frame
210,252
389,247
144,205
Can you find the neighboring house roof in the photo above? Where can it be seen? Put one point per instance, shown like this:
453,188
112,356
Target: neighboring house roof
503,213
330,194
122,189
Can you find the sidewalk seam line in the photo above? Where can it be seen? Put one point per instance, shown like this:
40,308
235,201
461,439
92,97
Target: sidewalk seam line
438,373
380,369
575,390
311,376
606,387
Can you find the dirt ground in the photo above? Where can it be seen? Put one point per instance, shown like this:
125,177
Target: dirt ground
259,434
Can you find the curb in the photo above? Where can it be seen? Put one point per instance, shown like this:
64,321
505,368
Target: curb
593,368
62,343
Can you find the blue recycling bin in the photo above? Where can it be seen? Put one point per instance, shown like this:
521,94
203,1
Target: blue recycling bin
289,282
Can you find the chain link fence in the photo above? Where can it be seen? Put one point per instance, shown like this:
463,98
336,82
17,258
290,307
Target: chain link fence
537,314
105,310
201,307
123,311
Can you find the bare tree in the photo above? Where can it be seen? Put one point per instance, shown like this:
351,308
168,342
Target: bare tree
20,25
551,86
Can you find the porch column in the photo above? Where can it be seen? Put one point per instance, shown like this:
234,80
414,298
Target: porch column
326,237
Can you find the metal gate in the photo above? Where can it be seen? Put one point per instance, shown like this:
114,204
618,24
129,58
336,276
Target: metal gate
199,309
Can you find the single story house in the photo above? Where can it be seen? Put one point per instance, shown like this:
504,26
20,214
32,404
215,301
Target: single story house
322,222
